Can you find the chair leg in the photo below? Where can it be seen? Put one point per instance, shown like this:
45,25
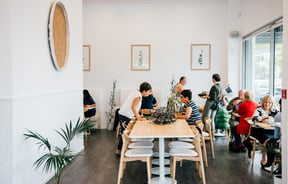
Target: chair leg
253,151
117,130
272,168
202,172
148,169
173,170
120,172
204,152
212,148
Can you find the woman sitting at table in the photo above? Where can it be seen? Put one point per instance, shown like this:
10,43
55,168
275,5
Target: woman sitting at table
131,108
191,113
89,104
264,114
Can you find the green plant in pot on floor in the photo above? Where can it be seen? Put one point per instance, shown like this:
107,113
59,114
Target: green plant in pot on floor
57,158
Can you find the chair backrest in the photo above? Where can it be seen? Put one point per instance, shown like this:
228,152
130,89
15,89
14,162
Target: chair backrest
125,140
196,142
208,125
250,122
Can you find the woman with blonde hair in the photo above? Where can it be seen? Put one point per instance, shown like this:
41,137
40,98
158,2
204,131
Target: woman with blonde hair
264,114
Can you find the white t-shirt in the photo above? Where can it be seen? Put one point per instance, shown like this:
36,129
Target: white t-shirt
126,109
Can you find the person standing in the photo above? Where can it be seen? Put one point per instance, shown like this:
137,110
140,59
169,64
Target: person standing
212,101
131,108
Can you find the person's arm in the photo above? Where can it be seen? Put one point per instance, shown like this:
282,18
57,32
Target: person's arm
154,102
231,104
134,109
184,116
90,104
258,116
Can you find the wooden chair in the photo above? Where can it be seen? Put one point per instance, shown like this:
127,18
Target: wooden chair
202,142
255,143
208,136
276,160
179,154
129,155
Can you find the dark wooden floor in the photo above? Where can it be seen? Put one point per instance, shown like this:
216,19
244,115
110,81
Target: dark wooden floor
100,166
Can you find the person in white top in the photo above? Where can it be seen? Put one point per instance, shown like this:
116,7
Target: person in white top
131,108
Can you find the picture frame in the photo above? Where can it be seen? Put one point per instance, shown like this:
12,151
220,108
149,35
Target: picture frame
200,56
86,58
140,57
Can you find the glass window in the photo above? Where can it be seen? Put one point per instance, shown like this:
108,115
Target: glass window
263,64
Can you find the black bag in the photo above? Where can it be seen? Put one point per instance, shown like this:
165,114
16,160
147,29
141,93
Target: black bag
214,105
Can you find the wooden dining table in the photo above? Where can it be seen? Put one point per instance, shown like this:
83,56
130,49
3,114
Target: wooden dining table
148,129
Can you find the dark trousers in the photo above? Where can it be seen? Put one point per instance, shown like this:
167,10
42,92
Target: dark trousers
260,134
116,119
235,135
124,121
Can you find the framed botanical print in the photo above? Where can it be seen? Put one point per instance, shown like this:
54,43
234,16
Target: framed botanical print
140,57
200,56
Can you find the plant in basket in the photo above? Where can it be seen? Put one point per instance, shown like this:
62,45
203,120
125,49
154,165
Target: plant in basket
163,116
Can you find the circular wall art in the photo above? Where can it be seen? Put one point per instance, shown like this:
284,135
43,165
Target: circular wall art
58,35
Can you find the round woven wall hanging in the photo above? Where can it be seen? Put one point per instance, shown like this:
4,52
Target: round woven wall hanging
58,35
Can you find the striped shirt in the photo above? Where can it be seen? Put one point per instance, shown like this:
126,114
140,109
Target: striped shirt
195,115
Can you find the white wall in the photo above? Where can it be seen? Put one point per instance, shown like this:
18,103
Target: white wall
6,89
256,13
33,94
170,28
284,128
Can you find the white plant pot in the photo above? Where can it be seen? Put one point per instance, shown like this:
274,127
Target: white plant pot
109,126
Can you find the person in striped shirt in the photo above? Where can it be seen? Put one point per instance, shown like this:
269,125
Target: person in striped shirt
191,112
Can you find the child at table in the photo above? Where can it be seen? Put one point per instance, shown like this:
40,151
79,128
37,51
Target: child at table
131,108
191,113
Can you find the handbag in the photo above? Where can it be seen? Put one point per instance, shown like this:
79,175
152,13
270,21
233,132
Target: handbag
214,105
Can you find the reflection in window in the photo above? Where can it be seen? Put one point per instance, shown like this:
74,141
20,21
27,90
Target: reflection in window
263,64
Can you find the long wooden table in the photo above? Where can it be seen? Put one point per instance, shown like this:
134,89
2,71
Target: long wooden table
147,129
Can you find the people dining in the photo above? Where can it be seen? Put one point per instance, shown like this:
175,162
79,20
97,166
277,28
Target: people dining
246,110
190,113
233,107
131,108
265,113
89,104
180,85
148,102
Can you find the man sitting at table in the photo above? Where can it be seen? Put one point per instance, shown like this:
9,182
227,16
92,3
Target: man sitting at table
191,113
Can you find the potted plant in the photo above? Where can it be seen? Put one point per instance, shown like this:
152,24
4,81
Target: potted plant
112,104
174,103
57,158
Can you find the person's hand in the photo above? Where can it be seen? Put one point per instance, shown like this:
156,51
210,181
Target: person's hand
265,119
141,119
